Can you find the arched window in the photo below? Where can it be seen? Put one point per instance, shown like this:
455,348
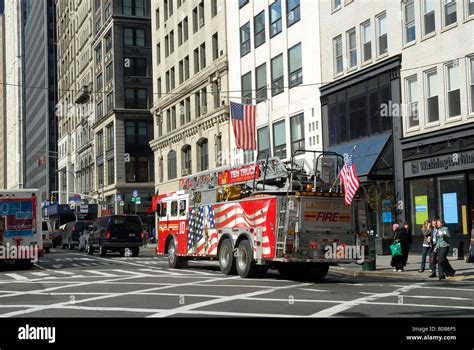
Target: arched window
203,154
186,160
172,171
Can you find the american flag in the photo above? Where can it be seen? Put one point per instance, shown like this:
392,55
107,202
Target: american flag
191,229
200,226
349,180
244,118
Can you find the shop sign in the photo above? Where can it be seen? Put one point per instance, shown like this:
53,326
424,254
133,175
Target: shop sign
434,165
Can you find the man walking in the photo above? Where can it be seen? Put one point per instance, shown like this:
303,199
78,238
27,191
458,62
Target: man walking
434,256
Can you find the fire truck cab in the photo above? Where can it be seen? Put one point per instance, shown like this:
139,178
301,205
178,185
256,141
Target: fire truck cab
266,214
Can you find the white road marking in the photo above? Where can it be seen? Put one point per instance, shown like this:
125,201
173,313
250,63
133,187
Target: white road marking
64,272
140,274
351,303
425,296
75,265
315,290
41,274
17,277
57,266
105,274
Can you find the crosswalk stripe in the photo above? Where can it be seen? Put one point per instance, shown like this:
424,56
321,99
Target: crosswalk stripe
130,272
105,274
41,274
17,277
76,265
64,272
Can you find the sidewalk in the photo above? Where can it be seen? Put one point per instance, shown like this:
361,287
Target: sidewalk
464,271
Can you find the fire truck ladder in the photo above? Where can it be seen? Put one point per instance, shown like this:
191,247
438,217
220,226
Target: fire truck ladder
282,229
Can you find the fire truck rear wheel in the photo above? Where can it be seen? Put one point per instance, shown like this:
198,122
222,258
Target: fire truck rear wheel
246,267
226,258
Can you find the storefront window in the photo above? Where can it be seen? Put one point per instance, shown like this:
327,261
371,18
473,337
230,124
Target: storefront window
439,198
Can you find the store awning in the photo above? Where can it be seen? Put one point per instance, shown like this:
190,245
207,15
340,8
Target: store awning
367,152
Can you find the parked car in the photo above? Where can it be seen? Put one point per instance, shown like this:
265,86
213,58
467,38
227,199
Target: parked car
72,233
47,237
116,233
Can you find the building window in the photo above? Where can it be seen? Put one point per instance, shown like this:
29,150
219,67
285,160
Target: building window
279,140
186,68
172,166
295,66
160,169
471,83
109,72
215,47
185,29
108,11
261,82
180,33
412,101
171,42
470,7
100,175
137,67
137,133
409,17
338,57
100,110
453,89
277,75
111,171
352,48
203,156
110,102
139,169
110,136
275,18
432,103
213,8
136,98
98,55
133,8
242,3
382,41
98,25
450,14
100,143
259,29
157,17
245,39
429,22
99,83
186,160
247,88
336,4
263,142
366,41
134,37
159,88
297,132
293,11
108,42
201,14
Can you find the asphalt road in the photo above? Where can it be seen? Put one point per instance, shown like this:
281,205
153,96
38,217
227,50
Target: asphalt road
69,283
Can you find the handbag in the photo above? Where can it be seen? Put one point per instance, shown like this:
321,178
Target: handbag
396,249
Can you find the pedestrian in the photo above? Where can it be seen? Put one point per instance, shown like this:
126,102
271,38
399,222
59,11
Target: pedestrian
426,247
434,255
442,248
405,241
153,235
397,260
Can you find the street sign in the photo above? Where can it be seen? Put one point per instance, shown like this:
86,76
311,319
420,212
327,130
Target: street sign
135,193
84,209
137,200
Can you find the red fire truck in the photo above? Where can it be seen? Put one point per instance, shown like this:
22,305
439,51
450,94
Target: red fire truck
265,214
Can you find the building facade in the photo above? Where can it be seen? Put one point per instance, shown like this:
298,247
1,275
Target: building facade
438,102
40,99
190,109
361,62
275,67
3,144
122,61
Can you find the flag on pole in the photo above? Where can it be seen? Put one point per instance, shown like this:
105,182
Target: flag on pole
349,180
244,122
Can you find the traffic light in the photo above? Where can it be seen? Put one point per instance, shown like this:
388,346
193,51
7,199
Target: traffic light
52,198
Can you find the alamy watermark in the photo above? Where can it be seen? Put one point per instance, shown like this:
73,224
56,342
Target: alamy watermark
345,252
13,252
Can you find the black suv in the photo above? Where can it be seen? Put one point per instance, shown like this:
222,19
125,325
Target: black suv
116,233
73,231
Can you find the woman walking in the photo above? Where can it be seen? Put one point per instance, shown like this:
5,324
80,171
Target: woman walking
405,241
442,249
427,242
397,260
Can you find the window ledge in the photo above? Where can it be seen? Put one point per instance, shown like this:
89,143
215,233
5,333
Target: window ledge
413,129
352,69
470,115
336,9
408,45
432,124
454,119
381,56
338,75
468,19
428,36
366,63
451,26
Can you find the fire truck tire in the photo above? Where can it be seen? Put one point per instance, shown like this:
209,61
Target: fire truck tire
226,258
175,261
317,272
246,267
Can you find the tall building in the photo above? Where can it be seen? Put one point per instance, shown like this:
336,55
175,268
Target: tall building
3,138
190,60
75,108
274,64
122,61
397,95
14,81
40,97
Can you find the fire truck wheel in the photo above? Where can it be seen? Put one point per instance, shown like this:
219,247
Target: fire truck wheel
246,267
174,261
317,272
226,258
